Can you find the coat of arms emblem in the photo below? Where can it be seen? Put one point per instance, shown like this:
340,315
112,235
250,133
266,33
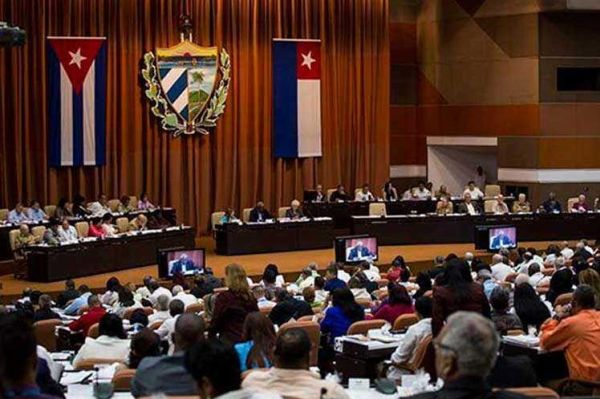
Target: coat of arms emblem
187,84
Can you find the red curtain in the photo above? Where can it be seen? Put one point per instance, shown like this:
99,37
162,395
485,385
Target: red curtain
234,165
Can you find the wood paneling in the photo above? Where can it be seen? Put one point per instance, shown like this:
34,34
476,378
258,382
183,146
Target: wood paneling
408,150
518,152
569,153
403,120
403,43
575,119
548,91
403,84
570,34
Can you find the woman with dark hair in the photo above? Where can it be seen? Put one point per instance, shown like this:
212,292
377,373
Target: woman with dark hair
269,282
111,344
63,209
111,296
258,336
560,283
144,203
125,204
424,283
107,226
272,269
529,307
389,192
342,314
456,291
399,270
79,208
145,343
125,301
398,303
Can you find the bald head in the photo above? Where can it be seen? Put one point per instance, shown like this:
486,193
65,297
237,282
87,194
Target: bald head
189,329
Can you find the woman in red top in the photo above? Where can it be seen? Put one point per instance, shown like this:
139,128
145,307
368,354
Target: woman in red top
399,303
399,270
96,229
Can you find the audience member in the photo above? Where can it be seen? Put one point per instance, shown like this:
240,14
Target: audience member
69,294
258,340
17,215
64,209
288,308
107,226
551,205
259,213
484,277
343,312
500,269
333,282
536,277
187,299
100,206
294,213
529,307
364,194
468,206
592,278
444,206
143,344
157,290
358,288
473,191
111,295
421,192
112,344
166,329
439,266
399,271
424,282
144,203
138,223
125,302
205,284
79,208
124,205
66,232
259,294
35,213
502,318
398,303
521,205
96,229
339,195
44,311
561,282
581,206
389,192
77,303
51,236
161,310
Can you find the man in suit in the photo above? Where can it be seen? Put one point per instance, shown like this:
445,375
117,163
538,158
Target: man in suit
182,265
339,195
259,213
468,206
551,205
359,252
294,212
465,353
501,240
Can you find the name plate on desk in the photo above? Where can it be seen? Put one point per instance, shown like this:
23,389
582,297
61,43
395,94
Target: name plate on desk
358,384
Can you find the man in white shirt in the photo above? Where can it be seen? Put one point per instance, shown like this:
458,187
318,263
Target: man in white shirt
291,376
566,251
371,271
111,344
468,206
100,207
364,195
536,277
166,329
187,299
499,269
413,337
473,190
500,207
259,293
421,192
67,233
161,312
157,291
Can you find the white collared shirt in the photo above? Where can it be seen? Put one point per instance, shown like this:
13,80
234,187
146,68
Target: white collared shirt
475,194
364,197
295,383
68,235
406,350
103,347
501,270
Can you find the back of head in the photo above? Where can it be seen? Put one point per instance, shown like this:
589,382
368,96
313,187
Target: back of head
236,280
522,279
584,297
319,283
215,367
189,329
18,348
70,284
143,344
176,307
177,289
344,299
497,258
533,269
113,284
292,349
93,301
269,275
112,325
473,342
162,303
139,316
397,294
424,306
83,289
499,299
45,301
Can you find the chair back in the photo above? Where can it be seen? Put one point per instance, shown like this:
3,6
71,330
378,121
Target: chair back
563,299
535,392
363,326
364,302
4,214
123,225
94,331
215,217
82,228
306,318
89,364
491,190
405,320
511,277
38,231
313,330
45,333
266,310
420,354
50,210
246,214
356,191
194,308
133,201
281,211
12,238
377,209
570,202
122,380
488,206
250,371
113,204
329,192
156,325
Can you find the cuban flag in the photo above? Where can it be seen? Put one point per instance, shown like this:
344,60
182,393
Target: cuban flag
297,98
77,101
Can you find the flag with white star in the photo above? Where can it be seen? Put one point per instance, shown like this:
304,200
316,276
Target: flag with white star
297,98
77,101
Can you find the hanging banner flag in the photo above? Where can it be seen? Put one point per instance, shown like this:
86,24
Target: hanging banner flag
297,98
77,101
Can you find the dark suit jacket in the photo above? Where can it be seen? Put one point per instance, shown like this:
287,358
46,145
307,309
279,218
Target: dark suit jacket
44,314
468,388
513,372
255,212
293,215
498,242
291,308
445,303
163,374
182,266
335,196
462,207
355,253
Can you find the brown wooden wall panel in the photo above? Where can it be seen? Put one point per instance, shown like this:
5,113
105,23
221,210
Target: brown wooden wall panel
569,153
408,150
516,35
576,119
403,84
403,43
518,152
478,120
403,120
404,10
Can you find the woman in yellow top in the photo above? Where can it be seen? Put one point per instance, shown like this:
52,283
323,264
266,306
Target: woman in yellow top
521,205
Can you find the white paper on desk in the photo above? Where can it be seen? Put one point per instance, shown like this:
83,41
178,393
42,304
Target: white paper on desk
76,377
107,373
77,391
358,384
60,356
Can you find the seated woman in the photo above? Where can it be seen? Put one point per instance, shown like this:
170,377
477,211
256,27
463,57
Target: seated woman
228,217
444,206
125,302
63,209
144,204
110,345
358,289
66,232
294,212
79,208
125,204
424,283
529,307
389,192
258,341
504,321
399,270
96,229
398,303
111,295
340,316
107,226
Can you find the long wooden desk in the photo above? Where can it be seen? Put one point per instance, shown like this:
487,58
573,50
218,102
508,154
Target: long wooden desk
169,214
249,238
46,263
426,229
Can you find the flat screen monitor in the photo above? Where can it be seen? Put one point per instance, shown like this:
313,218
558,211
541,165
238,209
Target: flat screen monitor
187,261
354,249
502,237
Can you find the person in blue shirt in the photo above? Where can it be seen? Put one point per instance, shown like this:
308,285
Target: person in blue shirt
35,212
258,336
228,217
17,215
333,282
74,307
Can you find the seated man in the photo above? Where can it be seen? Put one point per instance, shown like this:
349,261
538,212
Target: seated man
82,300
17,215
112,344
364,195
259,213
444,206
291,376
258,292
333,282
421,192
187,299
99,207
576,330
68,294
36,213
473,191
167,374
465,353
359,252
500,207
319,194
521,205
44,311
138,223
161,310
288,308
182,265
581,205
443,192
413,337
125,204
468,206
502,318
24,239
51,236
339,195
93,315
66,232
294,212
551,205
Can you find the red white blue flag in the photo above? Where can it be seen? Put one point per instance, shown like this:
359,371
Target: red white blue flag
297,98
77,101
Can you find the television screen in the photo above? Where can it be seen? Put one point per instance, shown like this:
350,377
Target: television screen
360,249
186,261
502,237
